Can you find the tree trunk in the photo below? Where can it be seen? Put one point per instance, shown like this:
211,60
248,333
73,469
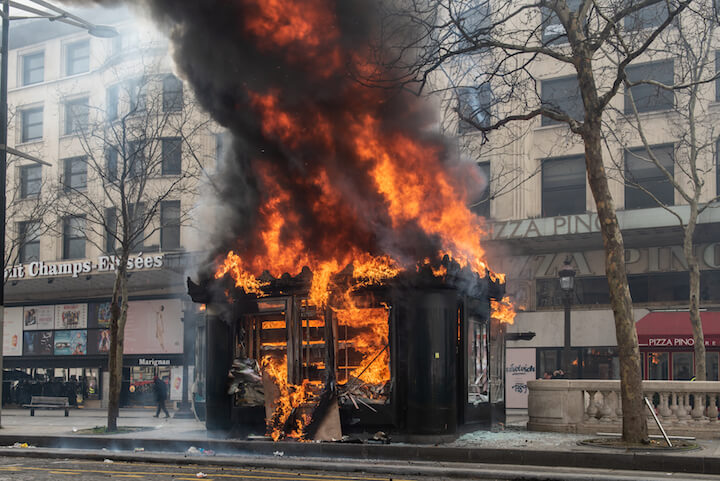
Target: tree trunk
118,316
634,418
694,308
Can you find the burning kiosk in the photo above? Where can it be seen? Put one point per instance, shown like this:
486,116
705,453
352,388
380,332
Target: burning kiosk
415,353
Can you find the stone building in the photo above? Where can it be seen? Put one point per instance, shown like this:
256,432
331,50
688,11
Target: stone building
65,86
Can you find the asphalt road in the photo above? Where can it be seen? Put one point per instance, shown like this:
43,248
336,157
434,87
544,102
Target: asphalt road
48,469
35,469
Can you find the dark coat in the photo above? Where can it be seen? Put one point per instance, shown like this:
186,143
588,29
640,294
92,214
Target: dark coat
160,390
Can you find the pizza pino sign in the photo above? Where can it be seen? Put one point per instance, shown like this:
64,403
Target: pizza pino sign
104,263
675,341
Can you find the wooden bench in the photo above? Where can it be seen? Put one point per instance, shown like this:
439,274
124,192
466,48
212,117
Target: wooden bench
48,402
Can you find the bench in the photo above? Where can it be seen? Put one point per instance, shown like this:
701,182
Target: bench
48,402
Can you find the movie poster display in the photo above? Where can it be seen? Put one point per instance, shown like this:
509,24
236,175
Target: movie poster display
71,316
99,315
176,382
38,318
103,341
38,343
12,331
71,343
154,327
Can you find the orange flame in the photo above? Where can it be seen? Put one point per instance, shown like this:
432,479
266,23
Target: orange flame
503,310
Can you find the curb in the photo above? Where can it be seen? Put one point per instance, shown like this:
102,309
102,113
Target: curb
255,452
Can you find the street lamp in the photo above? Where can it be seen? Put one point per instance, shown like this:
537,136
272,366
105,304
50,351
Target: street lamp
52,13
567,285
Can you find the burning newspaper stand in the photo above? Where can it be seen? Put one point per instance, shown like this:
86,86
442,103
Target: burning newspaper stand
418,353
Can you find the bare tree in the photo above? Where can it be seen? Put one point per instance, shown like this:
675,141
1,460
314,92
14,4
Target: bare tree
514,45
690,125
136,157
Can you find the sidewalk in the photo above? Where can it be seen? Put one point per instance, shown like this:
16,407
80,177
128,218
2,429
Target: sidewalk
169,439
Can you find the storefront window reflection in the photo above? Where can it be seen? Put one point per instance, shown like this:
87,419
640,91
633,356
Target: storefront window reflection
601,363
658,364
711,366
682,363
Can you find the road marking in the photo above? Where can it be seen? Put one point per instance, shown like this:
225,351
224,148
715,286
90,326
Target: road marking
261,470
241,473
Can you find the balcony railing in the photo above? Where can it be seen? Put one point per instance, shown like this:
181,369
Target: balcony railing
685,408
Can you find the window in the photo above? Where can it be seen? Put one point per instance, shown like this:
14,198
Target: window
75,174
112,97
711,366
649,98
73,237
172,94
474,104
29,236
683,368
220,148
563,186
552,31
137,95
171,156
110,229
170,225
647,17
481,206
640,170
135,159
32,124
136,213
77,115
30,180
474,21
111,164
77,57
562,95
33,66
658,364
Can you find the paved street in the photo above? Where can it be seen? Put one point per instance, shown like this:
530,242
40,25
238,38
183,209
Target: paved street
58,450
21,469
40,469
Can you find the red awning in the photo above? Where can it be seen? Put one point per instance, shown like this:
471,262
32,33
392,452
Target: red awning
673,329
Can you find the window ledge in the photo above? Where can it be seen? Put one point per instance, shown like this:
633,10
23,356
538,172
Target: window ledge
70,136
31,142
645,116
542,128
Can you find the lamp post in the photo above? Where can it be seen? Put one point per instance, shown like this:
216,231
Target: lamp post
52,13
567,285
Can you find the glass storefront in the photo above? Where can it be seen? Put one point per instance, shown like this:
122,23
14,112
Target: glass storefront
658,365
682,366
711,366
601,363
140,390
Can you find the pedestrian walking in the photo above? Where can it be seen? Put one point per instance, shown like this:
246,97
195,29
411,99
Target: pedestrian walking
160,396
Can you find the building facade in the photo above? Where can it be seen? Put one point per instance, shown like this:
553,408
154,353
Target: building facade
68,95
541,212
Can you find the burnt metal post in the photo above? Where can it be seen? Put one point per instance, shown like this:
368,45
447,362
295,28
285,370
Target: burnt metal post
567,285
